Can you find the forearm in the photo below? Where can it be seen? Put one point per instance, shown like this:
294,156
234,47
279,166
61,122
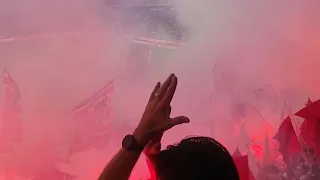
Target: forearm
151,167
121,165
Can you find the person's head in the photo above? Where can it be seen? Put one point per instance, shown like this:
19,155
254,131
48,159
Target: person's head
196,158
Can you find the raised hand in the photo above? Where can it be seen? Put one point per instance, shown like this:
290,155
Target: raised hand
156,119
154,122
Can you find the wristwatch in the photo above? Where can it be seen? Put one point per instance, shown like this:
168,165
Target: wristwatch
130,143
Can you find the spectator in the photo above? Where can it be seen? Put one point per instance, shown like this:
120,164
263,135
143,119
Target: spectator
196,158
309,157
305,171
192,159
299,171
315,172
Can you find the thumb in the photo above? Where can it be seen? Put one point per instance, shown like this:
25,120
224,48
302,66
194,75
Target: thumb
178,120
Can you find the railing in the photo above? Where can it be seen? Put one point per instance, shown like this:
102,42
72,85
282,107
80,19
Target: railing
134,39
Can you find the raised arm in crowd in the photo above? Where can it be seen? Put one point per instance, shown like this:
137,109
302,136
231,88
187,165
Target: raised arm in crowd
194,158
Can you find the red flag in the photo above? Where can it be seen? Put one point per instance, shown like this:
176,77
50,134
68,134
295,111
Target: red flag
93,117
11,121
242,165
311,111
310,133
309,102
237,153
289,143
310,128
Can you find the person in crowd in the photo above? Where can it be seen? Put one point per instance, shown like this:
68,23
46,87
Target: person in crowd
193,158
305,173
299,171
314,161
315,172
309,157
290,168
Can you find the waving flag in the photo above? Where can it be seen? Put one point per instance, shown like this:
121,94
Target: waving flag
11,121
310,128
311,111
289,142
93,117
242,166
237,153
309,102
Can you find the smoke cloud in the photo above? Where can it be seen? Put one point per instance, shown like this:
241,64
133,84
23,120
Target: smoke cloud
268,45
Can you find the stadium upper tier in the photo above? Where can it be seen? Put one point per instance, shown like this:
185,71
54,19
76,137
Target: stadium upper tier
150,19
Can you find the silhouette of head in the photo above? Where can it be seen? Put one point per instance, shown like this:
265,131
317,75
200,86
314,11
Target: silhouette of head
196,158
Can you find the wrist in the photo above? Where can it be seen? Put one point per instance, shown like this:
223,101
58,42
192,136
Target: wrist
141,137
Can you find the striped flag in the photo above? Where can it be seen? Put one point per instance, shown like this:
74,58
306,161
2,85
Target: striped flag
93,118
11,130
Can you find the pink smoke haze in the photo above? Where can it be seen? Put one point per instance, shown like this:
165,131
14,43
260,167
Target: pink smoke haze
262,44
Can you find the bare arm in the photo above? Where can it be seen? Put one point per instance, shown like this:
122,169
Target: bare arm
151,167
121,165
155,120
152,150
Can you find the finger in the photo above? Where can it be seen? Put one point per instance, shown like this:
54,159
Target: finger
177,120
170,92
154,91
168,111
162,90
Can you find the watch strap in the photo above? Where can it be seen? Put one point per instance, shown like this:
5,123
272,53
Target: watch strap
131,144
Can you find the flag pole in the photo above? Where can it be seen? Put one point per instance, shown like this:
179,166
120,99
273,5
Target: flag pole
302,143
291,114
261,117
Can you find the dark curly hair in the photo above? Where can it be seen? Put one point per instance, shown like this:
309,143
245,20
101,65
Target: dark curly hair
196,158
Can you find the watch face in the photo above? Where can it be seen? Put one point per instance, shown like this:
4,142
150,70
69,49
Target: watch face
127,141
